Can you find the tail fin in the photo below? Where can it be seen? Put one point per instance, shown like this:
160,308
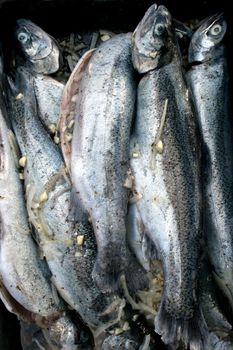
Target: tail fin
192,333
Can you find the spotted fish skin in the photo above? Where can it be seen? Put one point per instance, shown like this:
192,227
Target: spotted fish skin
209,84
165,162
100,158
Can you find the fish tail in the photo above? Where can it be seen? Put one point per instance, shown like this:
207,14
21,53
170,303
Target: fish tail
135,274
109,265
192,333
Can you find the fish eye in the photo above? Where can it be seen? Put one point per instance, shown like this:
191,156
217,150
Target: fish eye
22,37
159,29
216,29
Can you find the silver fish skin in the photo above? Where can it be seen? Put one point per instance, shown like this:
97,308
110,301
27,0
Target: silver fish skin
41,52
21,268
48,93
208,81
68,246
165,163
100,159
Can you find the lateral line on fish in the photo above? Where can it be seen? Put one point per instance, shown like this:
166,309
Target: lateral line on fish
136,306
154,145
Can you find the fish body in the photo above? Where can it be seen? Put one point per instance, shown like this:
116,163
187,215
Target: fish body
40,51
165,163
100,158
208,81
68,246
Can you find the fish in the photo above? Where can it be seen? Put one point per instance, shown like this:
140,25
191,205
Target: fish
165,163
22,271
48,93
100,159
40,51
208,81
68,245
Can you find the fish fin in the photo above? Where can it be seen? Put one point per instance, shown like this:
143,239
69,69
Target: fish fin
109,265
68,105
224,283
77,209
149,248
14,147
136,276
192,333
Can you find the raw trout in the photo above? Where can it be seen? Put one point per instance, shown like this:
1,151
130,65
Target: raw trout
208,79
100,158
69,246
165,162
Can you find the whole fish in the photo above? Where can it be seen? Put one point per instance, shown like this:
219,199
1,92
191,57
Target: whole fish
21,268
208,79
165,162
100,158
40,51
68,246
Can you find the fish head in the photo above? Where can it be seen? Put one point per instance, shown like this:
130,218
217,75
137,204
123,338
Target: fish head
39,49
207,38
151,39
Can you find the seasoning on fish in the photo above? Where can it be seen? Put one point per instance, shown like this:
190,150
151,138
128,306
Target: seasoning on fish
40,51
168,181
208,79
100,158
